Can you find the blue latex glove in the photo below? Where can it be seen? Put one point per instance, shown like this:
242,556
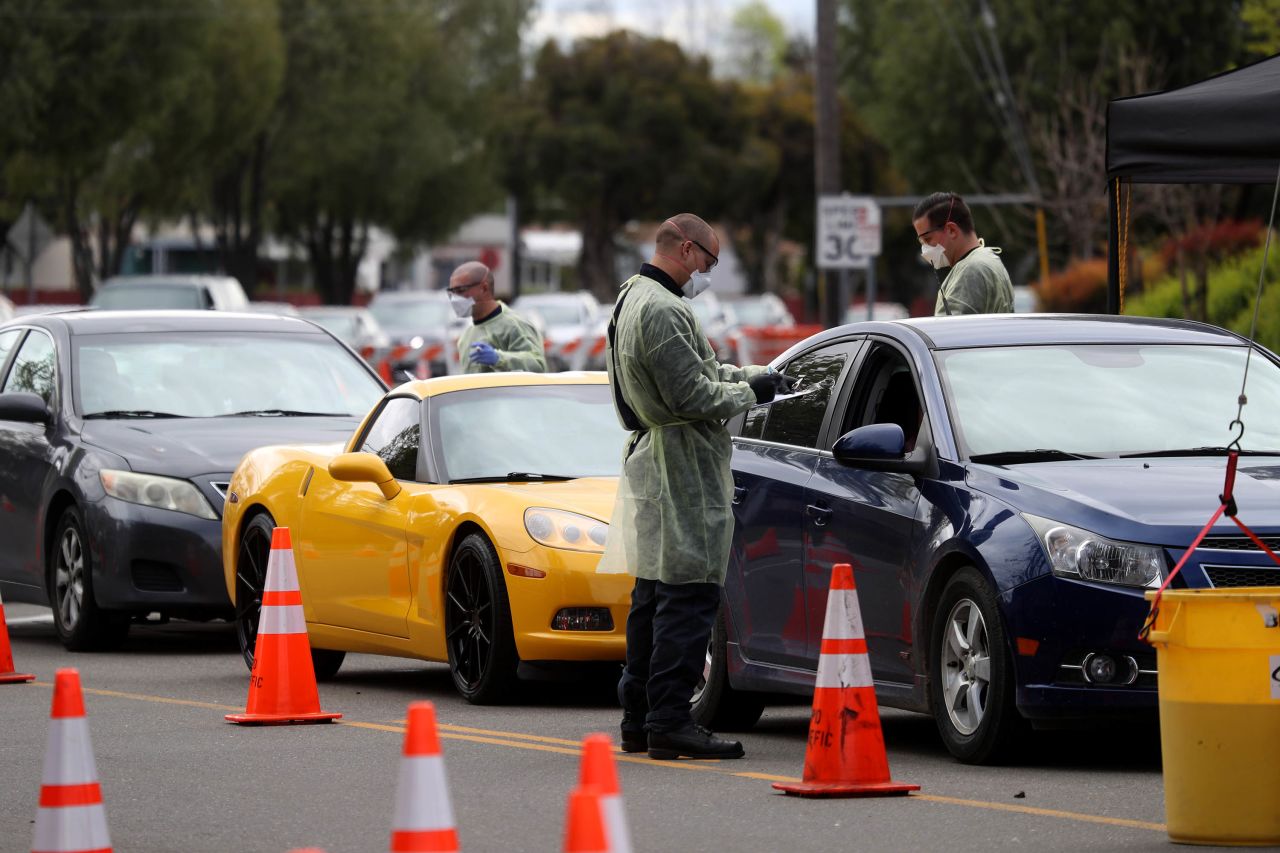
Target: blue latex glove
483,353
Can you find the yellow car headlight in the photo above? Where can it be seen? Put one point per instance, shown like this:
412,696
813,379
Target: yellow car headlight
159,492
556,528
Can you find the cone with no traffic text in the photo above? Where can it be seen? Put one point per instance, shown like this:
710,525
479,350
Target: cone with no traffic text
423,820
845,756
599,770
282,685
585,830
71,817
7,675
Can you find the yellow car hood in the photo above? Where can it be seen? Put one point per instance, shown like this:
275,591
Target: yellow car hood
591,496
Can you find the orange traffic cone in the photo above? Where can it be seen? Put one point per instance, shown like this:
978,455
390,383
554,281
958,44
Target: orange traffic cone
7,675
845,756
585,829
424,817
598,770
282,685
70,817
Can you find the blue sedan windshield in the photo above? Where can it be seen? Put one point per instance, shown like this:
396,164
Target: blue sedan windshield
205,375
1108,399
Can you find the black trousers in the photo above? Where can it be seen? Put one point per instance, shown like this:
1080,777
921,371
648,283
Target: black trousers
667,633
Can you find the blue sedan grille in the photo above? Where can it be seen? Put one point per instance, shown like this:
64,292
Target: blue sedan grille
1233,576
1239,543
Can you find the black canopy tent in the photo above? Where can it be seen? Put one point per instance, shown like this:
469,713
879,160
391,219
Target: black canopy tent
1223,130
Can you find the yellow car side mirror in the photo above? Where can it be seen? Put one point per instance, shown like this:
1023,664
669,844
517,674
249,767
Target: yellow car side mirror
364,468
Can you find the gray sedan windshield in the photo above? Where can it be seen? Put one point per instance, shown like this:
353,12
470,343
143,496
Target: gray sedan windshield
1108,399
205,375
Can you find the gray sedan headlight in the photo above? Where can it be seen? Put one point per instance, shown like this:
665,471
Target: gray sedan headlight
159,492
1076,553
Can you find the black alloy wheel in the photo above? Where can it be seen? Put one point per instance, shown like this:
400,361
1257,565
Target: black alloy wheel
81,625
716,704
477,622
971,675
251,579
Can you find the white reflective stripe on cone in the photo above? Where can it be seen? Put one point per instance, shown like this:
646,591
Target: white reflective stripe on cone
68,758
283,619
422,800
615,821
282,574
71,828
844,671
844,619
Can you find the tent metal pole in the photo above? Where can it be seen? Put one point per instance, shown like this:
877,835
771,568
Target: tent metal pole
1113,248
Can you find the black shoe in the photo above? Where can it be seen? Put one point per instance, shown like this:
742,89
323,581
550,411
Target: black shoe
693,741
634,737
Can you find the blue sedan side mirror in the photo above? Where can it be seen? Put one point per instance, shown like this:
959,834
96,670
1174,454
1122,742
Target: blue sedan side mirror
879,447
24,407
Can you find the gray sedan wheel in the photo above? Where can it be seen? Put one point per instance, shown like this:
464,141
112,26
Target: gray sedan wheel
80,624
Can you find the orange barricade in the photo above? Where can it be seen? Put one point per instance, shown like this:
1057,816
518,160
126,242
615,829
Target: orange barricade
762,344
7,675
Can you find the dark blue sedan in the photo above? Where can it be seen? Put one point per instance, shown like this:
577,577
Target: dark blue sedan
1007,487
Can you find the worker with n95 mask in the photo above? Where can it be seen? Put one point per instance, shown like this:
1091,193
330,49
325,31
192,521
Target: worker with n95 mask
672,520
498,339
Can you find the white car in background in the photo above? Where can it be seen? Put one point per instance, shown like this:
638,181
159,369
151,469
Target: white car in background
354,326
198,292
6,309
568,322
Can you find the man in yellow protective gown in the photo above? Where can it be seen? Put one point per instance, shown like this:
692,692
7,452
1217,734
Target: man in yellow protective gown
497,339
673,521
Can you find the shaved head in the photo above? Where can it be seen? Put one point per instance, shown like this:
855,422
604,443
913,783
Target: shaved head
686,226
472,272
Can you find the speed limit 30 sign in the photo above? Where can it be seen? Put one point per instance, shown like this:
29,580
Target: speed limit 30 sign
848,231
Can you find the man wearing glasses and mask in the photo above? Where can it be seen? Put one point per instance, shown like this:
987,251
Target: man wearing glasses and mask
672,522
498,339
977,282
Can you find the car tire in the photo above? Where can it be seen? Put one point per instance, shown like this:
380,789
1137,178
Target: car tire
326,663
477,624
81,625
252,555
971,674
716,704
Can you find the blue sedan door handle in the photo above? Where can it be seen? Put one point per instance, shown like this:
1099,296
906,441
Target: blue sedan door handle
820,514
739,492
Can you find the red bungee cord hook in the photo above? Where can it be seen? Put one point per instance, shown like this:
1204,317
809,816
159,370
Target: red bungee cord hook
1226,505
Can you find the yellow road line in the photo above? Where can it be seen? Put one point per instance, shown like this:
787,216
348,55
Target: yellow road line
563,746
1032,810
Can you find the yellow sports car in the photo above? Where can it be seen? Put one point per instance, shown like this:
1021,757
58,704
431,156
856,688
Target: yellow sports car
463,522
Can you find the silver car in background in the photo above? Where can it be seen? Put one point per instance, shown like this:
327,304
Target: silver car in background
568,324
422,329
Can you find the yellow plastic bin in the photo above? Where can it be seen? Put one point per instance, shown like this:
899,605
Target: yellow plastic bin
1218,653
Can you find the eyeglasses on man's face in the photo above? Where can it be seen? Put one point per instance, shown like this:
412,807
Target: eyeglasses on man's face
921,236
463,288
714,259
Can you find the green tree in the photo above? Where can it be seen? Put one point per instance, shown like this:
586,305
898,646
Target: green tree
379,123
757,44
618,128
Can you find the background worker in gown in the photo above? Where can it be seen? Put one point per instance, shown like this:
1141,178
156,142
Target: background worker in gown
673,522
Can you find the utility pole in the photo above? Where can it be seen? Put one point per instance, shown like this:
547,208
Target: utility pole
827,144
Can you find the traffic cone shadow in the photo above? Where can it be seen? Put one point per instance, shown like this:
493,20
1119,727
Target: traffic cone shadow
282,684
7,675
599,770
585,830
423,821
845,756
71,817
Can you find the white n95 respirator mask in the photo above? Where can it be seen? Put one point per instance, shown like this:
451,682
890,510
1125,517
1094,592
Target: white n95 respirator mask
698,282
936,257
461,305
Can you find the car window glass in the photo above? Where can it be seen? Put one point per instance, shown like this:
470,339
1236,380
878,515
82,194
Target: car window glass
395,436
33,368
753,424
885,394
7,341
798,420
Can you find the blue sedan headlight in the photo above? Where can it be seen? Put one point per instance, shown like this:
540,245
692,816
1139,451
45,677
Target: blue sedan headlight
1076,553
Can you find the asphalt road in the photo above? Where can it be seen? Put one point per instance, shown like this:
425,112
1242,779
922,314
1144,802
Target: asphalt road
175,776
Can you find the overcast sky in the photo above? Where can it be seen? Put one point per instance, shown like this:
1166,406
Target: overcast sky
695,24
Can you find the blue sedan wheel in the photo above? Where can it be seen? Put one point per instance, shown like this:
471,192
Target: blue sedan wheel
971,673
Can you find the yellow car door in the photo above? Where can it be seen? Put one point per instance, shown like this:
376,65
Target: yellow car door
354,557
